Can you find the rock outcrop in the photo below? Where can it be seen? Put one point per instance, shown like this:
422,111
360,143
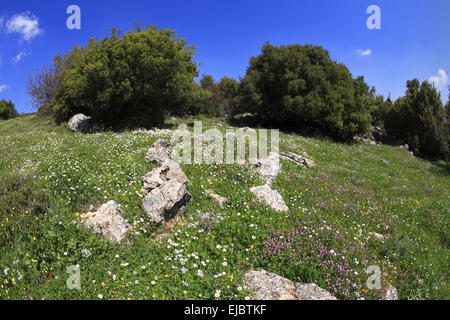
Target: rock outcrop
107,221
270,197
269,167
165,188
79,123
297,159
270,286
159,153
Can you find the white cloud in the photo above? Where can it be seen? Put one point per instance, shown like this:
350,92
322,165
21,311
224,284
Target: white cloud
367,52
19,56
439,80
26,24
3,87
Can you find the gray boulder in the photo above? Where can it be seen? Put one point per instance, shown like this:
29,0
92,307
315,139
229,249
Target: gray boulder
165,192
79,123
160,152
270,286
270,197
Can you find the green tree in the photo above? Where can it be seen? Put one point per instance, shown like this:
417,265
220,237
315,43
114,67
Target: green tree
7,110
301,88
221,95
127,80
419,118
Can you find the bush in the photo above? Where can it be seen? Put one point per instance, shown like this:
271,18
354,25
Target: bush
220,95
419,118
301,88
123,81
7,110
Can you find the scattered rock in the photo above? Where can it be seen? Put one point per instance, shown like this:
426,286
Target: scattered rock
297,159
269,167
182,126
79,123
404,146
270,286
270,197
377,236
107,221
155,131
390,294
165,192
159,153
217,199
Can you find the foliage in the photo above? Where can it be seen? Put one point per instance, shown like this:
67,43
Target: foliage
221,95
300,87
7,110
419,118
121,81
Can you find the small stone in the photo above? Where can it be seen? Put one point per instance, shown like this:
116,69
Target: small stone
377,236
383,161
217,199
391,293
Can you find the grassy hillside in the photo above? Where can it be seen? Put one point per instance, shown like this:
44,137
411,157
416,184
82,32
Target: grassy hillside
48,176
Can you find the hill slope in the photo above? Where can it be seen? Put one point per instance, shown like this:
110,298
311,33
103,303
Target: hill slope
48,176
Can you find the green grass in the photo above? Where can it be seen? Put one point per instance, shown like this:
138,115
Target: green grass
49,175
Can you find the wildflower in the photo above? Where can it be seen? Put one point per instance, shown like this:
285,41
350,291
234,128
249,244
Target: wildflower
200,273
100,296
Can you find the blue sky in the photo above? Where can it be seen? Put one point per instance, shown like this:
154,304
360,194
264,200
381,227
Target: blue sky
413,41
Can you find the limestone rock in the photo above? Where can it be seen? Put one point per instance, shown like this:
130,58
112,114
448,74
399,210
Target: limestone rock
270,197
377,236
297,159
269,167
107,221
160,152
155,131
165,192
390,294
79,123
270,286
217,199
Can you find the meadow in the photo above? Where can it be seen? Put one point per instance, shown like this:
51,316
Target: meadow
49,176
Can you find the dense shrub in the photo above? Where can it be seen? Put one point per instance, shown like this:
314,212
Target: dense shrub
419,118
300,87
219,101
122,81
7,110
